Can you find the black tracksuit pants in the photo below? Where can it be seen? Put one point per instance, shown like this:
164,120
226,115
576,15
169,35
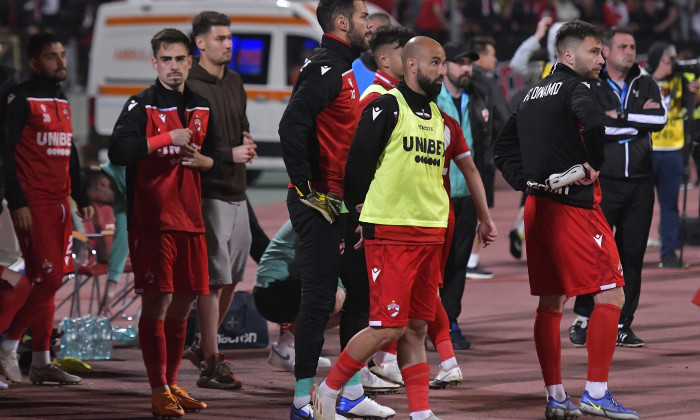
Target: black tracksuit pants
319,262
456,266
628,206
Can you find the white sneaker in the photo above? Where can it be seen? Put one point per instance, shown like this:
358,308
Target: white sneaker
9,365
373,384
324,404
445,378
389,371
364,408
283,358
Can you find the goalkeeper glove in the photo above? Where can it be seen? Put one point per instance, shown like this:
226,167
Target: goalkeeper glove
326,204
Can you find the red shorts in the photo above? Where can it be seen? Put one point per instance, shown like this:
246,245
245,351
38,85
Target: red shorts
169,262
403,281
47,248
570,250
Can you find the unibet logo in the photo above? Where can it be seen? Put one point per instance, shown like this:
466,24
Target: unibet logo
54,138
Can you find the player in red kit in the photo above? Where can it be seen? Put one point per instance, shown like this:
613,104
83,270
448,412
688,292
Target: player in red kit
165,137
41,170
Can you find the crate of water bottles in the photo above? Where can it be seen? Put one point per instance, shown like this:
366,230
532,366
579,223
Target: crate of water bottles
86,338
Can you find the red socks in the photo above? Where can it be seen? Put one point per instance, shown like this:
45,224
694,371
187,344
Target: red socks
175,334
152,338
439,332
36,311
600,340
342,371
416,379
11,299
548,344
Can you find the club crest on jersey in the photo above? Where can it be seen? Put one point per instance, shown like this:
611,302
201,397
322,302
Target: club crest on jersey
394,308
485,114
66,113
47,267
198,124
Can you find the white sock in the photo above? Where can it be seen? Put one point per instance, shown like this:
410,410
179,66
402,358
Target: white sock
327,390
286,340
449,363
160,389
302,401
352,392
421,415
41,358
9,345
383,357
556,391
473,260
596,389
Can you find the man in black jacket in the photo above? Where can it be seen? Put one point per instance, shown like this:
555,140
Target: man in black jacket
632,103
558,129
316,131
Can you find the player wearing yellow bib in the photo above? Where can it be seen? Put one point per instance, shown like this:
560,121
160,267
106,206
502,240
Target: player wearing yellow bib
394,170
678,96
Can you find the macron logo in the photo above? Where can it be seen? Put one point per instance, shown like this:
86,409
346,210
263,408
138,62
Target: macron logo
132,105
324,70
599,240
162,117
375,112
375,273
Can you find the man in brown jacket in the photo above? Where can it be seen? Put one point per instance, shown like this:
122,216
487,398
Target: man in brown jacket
224,207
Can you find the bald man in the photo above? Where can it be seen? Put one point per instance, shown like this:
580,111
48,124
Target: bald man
403,216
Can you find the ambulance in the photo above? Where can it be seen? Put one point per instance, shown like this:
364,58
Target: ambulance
271,40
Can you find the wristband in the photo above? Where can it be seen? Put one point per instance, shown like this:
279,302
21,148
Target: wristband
159,141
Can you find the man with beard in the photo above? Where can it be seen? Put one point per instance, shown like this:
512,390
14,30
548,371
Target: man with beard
224,206
558,129
459,99
394,178
165,136
41,170
632,103
315,134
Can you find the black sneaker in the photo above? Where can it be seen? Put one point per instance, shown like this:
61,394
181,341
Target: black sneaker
627,338
577,332
516,244
478,273
218,375
458,340
194,353
672,261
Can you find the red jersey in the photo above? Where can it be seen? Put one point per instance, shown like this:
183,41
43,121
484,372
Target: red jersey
383,82
162,194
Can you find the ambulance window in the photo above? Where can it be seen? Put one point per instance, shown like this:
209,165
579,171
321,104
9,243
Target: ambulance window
250,57
299,48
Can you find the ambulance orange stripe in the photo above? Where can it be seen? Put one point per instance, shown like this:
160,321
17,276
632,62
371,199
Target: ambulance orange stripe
161,20
128,90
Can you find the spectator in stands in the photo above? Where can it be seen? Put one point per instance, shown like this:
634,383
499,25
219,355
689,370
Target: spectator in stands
107,186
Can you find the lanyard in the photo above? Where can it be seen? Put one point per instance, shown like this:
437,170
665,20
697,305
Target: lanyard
622,92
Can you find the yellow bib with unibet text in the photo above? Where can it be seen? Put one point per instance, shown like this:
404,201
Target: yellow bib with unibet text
374,88
671,137
407,189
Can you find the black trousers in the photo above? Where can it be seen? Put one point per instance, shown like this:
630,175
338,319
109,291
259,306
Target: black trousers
355,316
628,206
260,240
456,266
319,263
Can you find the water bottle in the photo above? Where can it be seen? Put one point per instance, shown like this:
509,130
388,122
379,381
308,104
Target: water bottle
103,339
125,336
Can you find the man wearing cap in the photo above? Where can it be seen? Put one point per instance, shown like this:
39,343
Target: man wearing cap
471,108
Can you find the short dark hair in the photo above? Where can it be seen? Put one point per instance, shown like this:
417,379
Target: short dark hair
610,33
203,22
478,44
578,30
169,36
38,42
388,35
380,16
91,176
328,10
